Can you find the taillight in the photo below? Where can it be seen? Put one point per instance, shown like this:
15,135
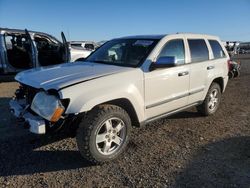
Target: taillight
229,65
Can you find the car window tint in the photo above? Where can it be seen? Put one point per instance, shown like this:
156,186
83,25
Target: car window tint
89,46
217,49
174,48
79,45
115,53
198,50
123,52
45,43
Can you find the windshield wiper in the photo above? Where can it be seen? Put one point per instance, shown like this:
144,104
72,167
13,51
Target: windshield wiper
103,62
111,63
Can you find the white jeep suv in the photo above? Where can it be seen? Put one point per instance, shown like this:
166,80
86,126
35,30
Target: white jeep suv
127,81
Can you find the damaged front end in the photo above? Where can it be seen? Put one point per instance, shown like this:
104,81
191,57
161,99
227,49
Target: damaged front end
42,111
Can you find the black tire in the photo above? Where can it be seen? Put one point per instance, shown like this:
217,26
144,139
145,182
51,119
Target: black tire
236,73
205,108
93,123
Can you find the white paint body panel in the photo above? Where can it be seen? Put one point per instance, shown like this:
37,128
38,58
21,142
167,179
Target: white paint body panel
127,84
75,54
163,85
59,76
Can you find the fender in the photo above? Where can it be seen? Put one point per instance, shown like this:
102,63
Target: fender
85,96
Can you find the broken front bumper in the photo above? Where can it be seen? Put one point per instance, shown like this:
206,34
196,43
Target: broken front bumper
36,124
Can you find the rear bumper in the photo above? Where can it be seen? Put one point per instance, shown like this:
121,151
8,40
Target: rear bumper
36,124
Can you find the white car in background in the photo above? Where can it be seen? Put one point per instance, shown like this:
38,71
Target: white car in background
81,49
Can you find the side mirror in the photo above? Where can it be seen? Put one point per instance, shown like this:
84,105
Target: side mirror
164,62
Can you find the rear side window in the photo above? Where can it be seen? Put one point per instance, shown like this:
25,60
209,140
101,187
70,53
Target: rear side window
174,48
217,49
198,50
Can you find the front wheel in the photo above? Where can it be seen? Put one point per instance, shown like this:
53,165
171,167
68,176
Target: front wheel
103,134
212,100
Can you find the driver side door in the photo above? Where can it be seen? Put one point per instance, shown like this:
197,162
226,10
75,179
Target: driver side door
167,89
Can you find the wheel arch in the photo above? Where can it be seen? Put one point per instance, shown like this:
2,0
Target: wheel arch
127,106
219,81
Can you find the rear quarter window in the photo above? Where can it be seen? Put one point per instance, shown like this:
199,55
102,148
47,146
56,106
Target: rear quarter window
217,49
198,50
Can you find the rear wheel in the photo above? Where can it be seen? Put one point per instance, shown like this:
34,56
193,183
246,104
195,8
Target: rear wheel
212,100
103,134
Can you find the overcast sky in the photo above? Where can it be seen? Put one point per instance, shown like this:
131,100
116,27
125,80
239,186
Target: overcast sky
106,19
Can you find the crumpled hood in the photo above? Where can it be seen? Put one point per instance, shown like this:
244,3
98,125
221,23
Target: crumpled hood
59,76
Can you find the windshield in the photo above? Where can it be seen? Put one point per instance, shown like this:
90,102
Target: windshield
123,52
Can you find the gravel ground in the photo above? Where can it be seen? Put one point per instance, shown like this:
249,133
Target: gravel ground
184,150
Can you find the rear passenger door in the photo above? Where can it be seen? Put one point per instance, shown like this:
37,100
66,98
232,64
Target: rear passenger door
217,66
199,57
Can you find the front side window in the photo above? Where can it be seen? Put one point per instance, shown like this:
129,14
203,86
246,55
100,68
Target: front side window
174,48
49,50
45,43
217,49
123,52
198,50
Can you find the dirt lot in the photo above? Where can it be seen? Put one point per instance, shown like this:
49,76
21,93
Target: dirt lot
185,150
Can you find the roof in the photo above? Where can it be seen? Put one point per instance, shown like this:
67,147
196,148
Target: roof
144,37
164,35
81,41
22,31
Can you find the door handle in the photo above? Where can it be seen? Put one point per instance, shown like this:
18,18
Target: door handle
183,73
210,67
